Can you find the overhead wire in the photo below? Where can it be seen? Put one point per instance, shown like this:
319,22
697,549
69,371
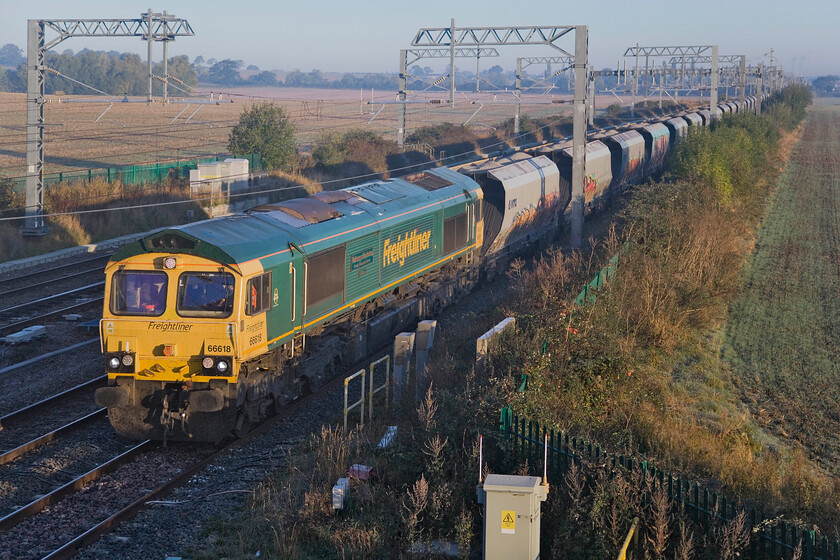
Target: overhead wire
267,191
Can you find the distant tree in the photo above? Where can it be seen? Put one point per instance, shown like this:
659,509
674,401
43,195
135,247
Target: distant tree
315,79
253,67
180,68
417,70
295,78
11,55
225,72
264,129
199,60
826,85
211,61
264,78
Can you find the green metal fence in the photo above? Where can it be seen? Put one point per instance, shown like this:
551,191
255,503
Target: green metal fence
136,174
767,540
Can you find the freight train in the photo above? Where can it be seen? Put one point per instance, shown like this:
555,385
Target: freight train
210,326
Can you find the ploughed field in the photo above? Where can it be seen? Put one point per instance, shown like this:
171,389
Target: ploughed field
82,135
783,333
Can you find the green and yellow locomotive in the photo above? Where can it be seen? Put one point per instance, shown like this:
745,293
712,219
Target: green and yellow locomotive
207,326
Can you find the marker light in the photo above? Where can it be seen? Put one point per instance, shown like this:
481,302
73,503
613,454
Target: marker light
114,363
222,366
127,360
207,363
169,263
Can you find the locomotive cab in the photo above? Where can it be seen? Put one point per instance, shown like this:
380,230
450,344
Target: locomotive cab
173,332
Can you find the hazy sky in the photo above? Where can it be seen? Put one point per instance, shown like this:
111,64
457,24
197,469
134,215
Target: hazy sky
366,36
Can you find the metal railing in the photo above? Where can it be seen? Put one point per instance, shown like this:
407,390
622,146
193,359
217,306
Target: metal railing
384,387
359,403
769,538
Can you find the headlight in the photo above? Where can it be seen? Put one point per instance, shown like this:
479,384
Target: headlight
222,366
114,363
207,363
127,360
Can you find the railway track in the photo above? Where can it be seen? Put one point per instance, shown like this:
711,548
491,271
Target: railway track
37,306
120,468
47,293
63,271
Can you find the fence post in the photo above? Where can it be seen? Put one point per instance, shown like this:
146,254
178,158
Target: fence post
810,536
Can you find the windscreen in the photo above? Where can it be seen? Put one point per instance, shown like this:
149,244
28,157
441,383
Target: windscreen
205,294
138,292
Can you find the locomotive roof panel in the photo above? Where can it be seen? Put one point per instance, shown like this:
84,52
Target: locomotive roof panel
229,240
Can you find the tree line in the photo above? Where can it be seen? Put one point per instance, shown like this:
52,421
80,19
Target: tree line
90,72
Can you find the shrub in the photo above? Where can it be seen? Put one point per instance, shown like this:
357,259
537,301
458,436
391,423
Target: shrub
265,129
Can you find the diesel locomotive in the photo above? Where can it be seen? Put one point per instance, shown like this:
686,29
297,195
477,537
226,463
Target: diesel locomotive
210,326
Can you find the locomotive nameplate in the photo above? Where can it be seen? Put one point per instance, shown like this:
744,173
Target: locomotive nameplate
359,260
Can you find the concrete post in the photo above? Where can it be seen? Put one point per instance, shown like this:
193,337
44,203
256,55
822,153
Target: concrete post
423,343
743,79
759,88
403,349
579,133
482,345
591,112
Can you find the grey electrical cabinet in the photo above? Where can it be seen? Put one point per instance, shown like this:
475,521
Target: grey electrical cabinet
512,516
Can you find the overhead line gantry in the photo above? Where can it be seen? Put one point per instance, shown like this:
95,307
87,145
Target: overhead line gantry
149,27
459,37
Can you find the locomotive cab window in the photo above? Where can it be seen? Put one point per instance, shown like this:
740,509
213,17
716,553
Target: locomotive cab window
455,233
205,294
258,294
325,276
138,292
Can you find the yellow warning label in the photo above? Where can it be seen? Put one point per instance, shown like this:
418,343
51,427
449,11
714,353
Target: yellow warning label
508,522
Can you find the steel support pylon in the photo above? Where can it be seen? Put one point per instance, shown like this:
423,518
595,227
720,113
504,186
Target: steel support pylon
579,134
34,201
149,27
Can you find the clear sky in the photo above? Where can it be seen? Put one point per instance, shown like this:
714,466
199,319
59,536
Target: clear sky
366,36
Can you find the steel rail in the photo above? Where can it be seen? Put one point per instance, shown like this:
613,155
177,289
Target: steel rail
74,485
20,450
53,269
52,297
37,318
52,354
70,549
53,281
23,412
